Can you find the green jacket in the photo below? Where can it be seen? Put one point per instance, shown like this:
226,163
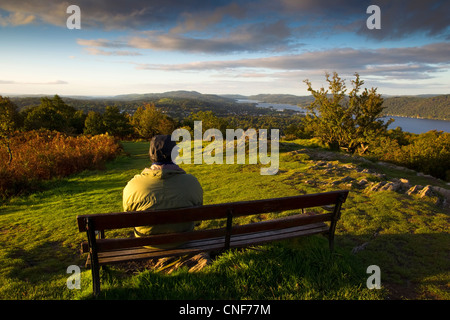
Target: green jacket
162,187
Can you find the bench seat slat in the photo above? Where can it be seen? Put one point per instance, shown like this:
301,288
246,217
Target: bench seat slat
212,244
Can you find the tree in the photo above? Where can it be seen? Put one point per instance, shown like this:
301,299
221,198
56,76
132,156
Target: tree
345,122
54,114
77,121
116,122
209,121
44,117
148,121
94,123
8,123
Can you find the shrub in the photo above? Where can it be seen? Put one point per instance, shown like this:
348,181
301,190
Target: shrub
43,155
430,153
427,152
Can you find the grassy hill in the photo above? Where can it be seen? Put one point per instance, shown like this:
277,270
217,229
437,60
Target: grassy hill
405,235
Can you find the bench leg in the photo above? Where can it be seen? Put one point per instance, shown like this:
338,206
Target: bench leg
331,235
95,267
331,242
95,278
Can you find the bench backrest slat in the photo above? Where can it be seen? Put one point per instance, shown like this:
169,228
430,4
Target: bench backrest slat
208,212
286,222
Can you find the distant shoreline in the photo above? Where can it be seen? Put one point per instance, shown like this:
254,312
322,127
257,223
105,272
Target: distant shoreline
415,117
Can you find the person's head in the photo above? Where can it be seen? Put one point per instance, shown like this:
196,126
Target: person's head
161,147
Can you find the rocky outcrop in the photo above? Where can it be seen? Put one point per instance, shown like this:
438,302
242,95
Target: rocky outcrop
349,171
439,195
397,185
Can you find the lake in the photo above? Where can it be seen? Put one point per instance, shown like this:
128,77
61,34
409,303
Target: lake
413,125
416,125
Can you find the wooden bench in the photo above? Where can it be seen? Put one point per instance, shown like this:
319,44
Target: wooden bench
103,251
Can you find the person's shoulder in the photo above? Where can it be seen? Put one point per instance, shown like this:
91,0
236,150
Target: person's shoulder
190,178
143,177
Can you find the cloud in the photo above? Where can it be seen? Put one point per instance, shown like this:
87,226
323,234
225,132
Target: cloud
111,14
227,27
16,19
105,43
94,45
201,20
48,12
249,37
97,51
404,63
254,37
398,18
56,82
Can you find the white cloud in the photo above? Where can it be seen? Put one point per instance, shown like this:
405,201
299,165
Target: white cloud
250,37
105,43
56,82
384,61
97,51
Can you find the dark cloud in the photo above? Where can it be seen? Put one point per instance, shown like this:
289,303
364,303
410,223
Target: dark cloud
398,18
113,14
203,19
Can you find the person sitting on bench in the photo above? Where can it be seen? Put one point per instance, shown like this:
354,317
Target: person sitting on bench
162,186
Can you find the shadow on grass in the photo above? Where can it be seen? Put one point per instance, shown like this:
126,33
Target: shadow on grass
297,269
412,267
42,263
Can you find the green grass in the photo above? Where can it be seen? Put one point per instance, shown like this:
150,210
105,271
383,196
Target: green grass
405,236
277,271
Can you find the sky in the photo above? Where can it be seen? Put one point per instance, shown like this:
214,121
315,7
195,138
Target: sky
222,47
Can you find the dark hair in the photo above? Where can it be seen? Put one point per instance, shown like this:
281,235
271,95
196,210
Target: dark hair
161,147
